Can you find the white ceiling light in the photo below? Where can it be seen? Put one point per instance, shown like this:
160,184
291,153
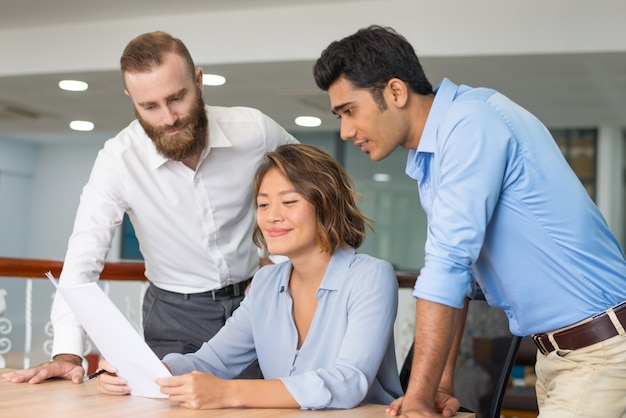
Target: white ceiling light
382,177
73,85
308,121
81,125
213,80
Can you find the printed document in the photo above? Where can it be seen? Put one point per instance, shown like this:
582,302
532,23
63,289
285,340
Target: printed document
118,342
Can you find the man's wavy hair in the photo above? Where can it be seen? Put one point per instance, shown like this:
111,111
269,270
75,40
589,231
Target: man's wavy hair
370,58
323,182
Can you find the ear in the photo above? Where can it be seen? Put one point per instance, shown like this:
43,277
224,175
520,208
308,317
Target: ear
199,77
398,92
126,92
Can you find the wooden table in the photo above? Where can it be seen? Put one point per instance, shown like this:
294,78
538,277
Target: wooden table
61,398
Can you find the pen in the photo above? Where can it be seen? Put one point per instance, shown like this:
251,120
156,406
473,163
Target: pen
95,374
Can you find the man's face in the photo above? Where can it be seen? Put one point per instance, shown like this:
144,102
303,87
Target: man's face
168,104
378,132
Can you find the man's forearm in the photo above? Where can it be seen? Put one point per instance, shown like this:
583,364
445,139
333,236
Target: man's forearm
447,379
434,335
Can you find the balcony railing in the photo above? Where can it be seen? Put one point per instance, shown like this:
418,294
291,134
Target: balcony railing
32,270
35,268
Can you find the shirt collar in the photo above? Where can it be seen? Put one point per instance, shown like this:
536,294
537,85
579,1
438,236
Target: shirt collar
445,93
337,269
335,272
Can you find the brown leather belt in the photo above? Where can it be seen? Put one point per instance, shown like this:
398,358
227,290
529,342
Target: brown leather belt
599,328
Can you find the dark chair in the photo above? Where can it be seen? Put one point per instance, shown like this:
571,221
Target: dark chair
522,400
483,370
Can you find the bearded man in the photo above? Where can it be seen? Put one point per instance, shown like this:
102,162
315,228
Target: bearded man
183,172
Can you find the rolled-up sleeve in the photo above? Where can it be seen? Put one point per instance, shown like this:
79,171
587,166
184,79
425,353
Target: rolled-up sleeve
463,183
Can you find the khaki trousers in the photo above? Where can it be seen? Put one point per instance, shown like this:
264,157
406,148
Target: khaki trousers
588,382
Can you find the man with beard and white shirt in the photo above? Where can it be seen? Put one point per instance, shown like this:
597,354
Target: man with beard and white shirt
183,172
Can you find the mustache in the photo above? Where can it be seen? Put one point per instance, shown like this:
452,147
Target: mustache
178,125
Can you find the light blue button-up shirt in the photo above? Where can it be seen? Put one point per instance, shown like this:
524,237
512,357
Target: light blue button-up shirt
504,206
348,355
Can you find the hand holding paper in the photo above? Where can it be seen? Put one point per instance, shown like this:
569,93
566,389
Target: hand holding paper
115,337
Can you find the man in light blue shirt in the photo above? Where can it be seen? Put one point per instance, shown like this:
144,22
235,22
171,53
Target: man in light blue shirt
504,208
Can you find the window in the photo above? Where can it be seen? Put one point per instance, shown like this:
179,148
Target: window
579,146
130,245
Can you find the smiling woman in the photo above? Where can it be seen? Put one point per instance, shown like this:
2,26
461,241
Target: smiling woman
325,292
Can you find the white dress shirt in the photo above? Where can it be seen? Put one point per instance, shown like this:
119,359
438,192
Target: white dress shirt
194,227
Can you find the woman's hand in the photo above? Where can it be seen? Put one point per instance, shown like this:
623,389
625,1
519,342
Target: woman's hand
110,383
196,390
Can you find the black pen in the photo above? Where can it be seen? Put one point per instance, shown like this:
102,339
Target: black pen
95,374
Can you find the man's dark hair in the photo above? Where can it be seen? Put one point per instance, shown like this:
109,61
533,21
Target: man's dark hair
369,59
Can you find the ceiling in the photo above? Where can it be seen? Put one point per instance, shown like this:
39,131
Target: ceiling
574,90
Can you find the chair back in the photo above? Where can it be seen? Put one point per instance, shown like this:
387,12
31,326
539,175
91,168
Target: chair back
486,357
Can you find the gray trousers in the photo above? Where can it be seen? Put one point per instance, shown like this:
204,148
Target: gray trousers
180,323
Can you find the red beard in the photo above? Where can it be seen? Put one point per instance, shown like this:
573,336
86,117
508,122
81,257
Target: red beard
191,139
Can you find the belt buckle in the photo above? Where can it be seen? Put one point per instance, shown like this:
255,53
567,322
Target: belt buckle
537,339
237,289
231,290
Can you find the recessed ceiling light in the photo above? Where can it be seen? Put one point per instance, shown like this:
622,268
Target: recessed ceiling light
73,85
81,125
213,80
382,177
308,121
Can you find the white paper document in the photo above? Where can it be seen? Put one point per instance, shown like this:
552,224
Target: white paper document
118,342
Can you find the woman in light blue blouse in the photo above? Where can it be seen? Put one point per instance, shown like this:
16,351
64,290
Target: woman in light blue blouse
320,324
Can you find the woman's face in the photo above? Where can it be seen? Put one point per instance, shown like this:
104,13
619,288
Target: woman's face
287,221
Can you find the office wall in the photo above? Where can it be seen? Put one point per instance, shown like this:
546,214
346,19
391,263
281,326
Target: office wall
61,173
40,187
39,190
17,166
